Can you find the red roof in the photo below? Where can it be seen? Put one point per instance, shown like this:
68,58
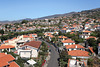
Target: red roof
3,63
2,54
87,31
4,59
74,46
35,44
91,37
71,32
13,64
62,37
64,29
91,49
25,36
6,41
78,53
6,46
68,41
34,34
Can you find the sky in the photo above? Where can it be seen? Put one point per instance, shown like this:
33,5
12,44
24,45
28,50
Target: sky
21,9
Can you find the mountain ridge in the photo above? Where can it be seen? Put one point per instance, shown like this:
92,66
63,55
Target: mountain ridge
51,16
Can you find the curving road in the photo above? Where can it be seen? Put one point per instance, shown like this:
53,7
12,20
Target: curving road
53,62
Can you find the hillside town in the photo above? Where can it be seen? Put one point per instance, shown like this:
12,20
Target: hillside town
64,41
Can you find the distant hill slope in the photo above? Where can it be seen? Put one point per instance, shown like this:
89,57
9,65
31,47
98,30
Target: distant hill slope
93,13
57,15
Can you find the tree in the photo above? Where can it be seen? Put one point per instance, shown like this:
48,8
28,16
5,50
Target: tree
90,62
2,32
53,39
93,43
24,21
64,58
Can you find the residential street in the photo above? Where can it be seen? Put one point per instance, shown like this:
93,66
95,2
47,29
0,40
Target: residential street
53,62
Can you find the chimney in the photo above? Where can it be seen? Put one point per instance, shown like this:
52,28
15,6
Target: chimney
75,46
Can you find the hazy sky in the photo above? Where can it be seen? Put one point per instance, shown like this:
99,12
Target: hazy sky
20,9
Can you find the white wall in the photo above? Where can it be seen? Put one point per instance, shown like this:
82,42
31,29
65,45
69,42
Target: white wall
67,44
25,54
74,57
34,53
28,53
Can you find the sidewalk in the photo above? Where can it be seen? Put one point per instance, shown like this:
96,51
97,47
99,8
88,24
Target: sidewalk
47,59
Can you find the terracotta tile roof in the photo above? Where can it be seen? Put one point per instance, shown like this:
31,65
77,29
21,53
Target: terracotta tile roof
2,54
87,31
64,29
51,36
25,36
2,64
34,34
31,37
91,37
91,49
2,44
78,53
7,58
6,41
65,26
13,64
4,59
6,46
71,32
62,37
35,44
74,26
74,46
14,38
68,41
87,22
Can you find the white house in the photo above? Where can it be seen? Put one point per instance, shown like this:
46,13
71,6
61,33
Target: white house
74,47
85,34
29,49
62,38
68,42
76,63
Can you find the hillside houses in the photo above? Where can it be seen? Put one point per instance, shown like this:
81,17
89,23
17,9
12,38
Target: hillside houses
76,37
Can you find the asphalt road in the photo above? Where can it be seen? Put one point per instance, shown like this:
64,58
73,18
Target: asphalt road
53,62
